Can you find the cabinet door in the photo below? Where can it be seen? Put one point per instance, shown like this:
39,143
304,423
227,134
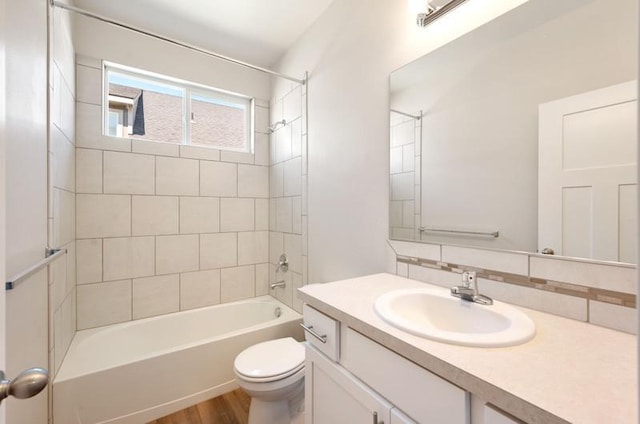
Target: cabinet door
397,417
491,416
334,396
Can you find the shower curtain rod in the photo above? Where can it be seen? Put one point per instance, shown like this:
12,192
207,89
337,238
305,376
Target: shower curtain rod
92,15
416,117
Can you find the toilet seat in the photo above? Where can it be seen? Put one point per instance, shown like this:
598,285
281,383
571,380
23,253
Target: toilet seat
270,361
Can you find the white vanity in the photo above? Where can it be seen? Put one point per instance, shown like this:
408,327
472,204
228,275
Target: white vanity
362,370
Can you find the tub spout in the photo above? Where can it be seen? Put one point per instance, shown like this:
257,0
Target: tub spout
278,284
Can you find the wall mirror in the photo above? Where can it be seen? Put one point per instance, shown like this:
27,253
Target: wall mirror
521,135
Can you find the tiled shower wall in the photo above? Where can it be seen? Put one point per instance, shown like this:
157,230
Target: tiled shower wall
596,292
404,208
288,182
164,227
61,188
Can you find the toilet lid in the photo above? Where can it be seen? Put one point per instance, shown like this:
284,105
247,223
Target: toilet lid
269,361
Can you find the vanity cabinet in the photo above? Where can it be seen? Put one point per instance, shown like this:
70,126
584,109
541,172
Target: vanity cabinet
368,383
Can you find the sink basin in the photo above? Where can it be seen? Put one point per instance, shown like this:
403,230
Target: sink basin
436,315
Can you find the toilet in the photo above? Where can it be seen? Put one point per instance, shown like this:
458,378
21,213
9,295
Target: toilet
272,373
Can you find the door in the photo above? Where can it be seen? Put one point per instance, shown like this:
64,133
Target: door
24,37
587,174
3,7
334,396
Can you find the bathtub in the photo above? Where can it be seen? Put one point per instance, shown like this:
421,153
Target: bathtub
141,370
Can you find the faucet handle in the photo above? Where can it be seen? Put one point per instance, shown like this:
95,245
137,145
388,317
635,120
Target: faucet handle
467,279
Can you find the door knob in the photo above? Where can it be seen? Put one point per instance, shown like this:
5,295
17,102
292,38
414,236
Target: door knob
27,384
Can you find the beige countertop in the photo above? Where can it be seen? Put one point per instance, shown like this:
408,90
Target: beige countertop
570,372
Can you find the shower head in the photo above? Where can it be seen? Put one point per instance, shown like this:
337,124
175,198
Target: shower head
274,127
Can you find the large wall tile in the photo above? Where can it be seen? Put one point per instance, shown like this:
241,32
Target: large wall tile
237,283
156,295
195,152
416,250
292,177
262,214
253,181
89,261
198,289
129,173
218,179
553,303
293,250
613,316
262,279
261,149
253,247
218,250
128,257
237,214
514,263
177,254
236,157
104,303
199,215
89,85
64,167
276,180
618,278
176,176
284,214
103,216
64,212
155,148
88,171
154,215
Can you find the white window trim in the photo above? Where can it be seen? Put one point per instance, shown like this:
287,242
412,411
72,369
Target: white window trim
187,88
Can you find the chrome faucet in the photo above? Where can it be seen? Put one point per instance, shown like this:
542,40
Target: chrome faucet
469,290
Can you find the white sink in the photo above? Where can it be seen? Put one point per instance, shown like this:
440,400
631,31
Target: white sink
436,315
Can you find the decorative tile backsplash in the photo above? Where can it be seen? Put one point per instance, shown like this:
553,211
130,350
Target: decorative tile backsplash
600,293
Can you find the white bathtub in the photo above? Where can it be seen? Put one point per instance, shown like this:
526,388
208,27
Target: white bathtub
141,370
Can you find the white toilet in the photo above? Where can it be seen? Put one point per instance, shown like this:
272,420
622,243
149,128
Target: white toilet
272,373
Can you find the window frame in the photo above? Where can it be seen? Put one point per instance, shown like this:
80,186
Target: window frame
187,89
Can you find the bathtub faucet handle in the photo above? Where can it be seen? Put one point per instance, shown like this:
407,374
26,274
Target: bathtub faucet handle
283,263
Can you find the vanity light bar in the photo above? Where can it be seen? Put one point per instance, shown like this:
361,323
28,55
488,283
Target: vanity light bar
424,19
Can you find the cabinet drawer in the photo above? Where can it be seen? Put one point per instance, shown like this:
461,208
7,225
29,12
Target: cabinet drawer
422,395
326,330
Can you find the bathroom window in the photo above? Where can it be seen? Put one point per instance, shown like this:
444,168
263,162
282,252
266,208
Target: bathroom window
142,105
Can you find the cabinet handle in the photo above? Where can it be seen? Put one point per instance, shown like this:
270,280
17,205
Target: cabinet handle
309,330
375,418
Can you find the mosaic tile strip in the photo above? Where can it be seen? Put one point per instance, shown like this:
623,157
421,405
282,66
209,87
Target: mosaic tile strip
591,293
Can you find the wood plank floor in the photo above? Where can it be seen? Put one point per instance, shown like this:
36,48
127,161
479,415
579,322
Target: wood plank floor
230,408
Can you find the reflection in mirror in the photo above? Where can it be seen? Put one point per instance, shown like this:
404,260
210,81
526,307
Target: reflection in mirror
521,135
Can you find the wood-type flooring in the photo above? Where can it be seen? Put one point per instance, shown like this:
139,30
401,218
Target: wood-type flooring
230,408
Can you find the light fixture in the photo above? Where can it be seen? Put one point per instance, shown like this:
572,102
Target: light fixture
428,11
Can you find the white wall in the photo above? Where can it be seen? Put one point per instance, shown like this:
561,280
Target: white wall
99,40
349,53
